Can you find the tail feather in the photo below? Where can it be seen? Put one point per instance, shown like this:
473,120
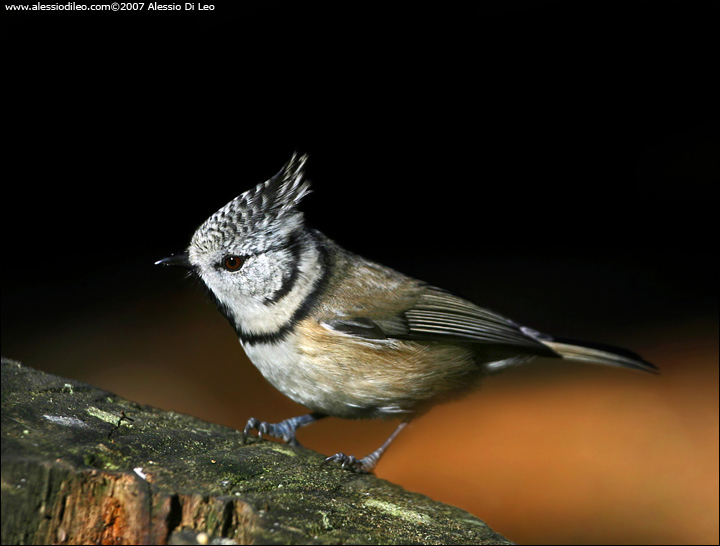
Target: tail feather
584,351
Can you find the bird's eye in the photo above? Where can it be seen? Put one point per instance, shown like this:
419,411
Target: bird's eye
233,263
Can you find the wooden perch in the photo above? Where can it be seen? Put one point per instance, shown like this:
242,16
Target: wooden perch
82,465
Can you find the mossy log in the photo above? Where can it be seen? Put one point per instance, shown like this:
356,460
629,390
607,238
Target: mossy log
82,465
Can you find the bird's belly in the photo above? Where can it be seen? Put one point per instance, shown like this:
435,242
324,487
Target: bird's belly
350,377
310,383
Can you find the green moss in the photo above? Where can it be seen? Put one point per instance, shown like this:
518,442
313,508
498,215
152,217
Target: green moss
395,510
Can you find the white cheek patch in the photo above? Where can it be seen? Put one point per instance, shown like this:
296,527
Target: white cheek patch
261,276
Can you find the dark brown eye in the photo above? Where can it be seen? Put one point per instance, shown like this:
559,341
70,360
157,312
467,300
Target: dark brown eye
233,263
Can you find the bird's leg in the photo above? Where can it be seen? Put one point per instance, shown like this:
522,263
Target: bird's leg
368,463
284,429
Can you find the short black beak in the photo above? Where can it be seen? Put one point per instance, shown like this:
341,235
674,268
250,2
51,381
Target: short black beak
180,260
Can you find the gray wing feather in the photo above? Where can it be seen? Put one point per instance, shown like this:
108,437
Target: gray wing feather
438,315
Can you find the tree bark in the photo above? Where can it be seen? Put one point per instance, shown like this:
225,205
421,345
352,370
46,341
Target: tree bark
82,465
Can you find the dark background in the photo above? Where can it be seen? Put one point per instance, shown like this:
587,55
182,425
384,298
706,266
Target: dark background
554,161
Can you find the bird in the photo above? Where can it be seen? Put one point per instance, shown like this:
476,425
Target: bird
345,336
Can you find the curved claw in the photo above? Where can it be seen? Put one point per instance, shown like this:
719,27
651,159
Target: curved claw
263,427
253,424
350,462
284,430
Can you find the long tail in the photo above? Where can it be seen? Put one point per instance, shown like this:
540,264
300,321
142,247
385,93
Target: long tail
585,351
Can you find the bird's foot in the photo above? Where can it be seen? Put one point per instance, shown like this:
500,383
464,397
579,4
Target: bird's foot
284,430
349,462
368,463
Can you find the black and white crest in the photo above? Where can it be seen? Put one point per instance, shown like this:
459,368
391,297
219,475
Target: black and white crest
269,208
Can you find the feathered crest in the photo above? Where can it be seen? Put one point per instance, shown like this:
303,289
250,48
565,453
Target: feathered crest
268,208
283,191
